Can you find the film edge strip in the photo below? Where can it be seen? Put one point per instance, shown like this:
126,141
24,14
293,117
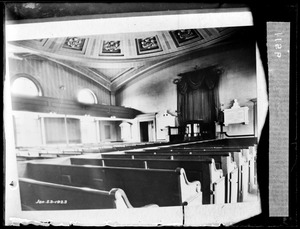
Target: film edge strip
278,44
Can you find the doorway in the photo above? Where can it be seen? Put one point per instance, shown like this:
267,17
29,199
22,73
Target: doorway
146,131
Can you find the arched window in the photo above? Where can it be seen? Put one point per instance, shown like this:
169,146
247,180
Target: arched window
25,86
86,96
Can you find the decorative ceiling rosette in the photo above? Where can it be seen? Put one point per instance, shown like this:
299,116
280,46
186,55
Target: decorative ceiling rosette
111,48
74,43
148,45
185,36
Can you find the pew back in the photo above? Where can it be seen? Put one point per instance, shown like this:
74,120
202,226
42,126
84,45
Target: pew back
202,170
222,160
142,186
38,195
179,156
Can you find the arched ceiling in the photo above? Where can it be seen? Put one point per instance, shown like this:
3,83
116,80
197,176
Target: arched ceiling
115,59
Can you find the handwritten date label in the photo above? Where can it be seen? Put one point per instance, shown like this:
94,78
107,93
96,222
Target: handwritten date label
51,202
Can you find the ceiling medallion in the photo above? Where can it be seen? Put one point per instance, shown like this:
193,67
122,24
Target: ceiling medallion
183,37
111,48
148,45
74,43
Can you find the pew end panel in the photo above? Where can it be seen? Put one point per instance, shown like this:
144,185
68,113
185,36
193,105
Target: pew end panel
239,158
215,174
250,158
217,184
243,175
230,171
190,191
253,151
233,188
121,200
244,182
228,164
246,154
252,175
218,191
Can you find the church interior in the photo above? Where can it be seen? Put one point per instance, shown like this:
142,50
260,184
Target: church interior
140,120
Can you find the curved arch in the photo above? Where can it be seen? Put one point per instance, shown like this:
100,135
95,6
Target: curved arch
87,96
28,84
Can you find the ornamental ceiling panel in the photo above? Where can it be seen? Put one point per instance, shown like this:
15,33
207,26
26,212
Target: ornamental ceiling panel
118,58
128,47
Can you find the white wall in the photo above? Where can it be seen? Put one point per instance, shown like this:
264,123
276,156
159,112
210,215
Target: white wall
88,127
27,129
115,130
151,94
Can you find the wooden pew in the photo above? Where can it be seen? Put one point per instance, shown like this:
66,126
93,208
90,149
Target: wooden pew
142,186
212,180
244,163
179,152
230,142
39,195
244,146
128,156
71,152
223,160
190,151
199,146
236,180
249,152
110,162
195,148
90,150
195,156
174,154
111,157
204,147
